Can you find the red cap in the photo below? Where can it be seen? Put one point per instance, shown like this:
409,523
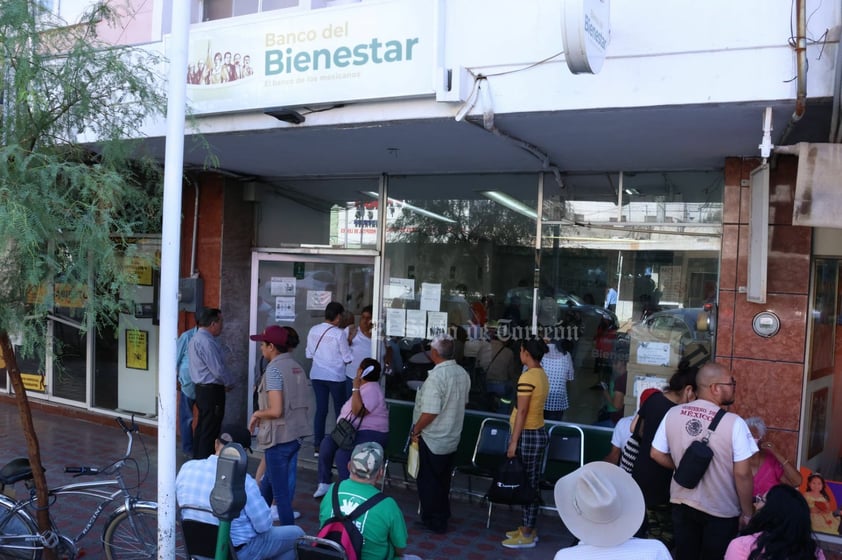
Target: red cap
648,393
273,333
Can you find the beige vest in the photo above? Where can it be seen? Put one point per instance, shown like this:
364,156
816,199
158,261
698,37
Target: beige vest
716,494
293,423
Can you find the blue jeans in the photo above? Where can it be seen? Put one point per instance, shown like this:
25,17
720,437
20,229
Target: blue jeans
324,390
328,451
280,466
278,543
185,422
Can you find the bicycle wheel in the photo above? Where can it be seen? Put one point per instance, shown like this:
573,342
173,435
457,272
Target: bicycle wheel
17,523
133,535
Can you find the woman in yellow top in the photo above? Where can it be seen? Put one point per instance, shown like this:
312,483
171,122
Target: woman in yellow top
529,435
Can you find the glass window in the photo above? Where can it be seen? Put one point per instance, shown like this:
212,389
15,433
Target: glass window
322,213
465,246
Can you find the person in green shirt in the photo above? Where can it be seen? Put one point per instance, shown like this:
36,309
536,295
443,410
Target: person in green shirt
383,526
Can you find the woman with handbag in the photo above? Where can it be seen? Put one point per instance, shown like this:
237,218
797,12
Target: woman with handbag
529,435
283,395
364,418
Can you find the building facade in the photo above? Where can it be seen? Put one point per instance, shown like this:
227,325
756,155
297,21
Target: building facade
449,164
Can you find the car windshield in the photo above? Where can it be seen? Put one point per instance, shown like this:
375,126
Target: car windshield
565,299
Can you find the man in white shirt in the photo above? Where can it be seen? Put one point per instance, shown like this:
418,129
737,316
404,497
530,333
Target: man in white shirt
359,339
603,507
707,517
327,346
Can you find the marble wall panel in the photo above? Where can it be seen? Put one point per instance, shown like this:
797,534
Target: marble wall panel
728,257
789,259
788,345
771,390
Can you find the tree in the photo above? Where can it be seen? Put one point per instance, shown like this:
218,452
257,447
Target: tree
73,187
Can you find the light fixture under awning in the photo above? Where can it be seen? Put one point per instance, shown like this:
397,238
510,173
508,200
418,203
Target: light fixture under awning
511,203
412,208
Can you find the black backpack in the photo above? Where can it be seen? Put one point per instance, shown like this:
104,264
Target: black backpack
342,529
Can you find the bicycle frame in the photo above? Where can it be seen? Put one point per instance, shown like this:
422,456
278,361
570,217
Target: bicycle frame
102,491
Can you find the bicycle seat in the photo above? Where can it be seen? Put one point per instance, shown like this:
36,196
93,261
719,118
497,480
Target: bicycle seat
15,471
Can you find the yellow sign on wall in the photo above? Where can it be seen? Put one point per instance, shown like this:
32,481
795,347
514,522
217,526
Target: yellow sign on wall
137,349
33,382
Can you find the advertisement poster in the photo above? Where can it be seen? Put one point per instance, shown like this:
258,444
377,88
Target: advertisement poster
137,349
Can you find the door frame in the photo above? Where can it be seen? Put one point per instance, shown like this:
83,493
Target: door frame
310,255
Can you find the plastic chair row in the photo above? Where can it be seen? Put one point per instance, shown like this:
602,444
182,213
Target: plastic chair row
565,453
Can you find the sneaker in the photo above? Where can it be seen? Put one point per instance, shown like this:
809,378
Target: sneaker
316,454
516,532
520,541
321,490
296,514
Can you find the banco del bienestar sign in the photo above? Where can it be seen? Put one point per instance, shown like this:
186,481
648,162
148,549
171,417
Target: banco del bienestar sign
287,59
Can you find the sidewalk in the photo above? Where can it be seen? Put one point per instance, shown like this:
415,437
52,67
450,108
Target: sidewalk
73,441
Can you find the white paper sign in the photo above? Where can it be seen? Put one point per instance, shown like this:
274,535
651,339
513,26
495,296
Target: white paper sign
653,353
436,323
644,382
402,288
284,308
282,286
317,300
416,323
430,296
396,322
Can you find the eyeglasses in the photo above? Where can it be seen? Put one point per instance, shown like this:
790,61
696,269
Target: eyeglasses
759,499
733,383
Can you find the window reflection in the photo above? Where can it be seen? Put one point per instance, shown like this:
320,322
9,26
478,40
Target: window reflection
602,268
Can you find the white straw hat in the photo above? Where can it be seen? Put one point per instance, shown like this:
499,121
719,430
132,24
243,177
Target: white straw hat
600,503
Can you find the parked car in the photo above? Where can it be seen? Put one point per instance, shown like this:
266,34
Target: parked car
570,309
670,324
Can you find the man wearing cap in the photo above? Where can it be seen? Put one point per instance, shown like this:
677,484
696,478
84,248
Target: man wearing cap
707,517
383,526
602,506
252,533
211,378
437,427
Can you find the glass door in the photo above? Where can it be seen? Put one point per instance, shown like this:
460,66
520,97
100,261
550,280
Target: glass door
293,290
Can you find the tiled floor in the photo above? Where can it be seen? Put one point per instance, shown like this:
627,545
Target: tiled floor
71,441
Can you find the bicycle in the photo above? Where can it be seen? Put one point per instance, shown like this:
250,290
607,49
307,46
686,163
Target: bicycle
130,531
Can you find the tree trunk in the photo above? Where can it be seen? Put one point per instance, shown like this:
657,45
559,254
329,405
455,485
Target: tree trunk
33,449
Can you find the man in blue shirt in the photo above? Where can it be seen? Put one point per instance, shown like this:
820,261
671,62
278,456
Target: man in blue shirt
610,299
252,533
188,391
211,378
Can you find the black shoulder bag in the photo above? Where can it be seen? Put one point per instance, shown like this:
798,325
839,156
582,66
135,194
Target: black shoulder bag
697,458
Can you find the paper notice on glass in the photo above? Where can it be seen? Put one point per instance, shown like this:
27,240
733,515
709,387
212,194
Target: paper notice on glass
416,323
318,300
284,308
282,286
653,353
436,323
644,382
396,322
430,296
401,288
